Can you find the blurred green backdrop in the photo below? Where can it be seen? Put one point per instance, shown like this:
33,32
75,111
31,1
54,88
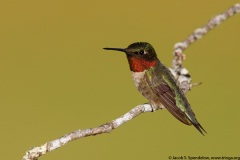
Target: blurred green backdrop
56,78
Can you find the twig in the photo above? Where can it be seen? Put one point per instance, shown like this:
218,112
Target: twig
177,69
36,152
181,74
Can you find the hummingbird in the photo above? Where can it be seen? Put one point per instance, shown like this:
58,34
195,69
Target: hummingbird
157,84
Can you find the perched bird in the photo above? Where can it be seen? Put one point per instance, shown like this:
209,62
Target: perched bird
156,83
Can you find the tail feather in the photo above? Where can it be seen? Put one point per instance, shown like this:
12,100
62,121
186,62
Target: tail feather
196,124
199,128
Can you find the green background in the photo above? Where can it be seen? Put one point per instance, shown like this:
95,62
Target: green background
56,78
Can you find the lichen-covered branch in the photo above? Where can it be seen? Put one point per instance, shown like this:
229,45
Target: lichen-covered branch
181,74
35,152
177,69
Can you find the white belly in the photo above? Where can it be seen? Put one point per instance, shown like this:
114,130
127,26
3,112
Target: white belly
137,77
145,90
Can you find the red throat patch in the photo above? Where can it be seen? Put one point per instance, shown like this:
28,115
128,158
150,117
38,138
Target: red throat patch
139,64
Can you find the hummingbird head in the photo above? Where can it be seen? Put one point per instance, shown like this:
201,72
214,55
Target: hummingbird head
141,56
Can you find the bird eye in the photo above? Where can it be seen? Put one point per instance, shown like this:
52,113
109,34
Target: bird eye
141,52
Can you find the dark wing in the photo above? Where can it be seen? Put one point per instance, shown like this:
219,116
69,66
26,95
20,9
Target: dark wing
167,97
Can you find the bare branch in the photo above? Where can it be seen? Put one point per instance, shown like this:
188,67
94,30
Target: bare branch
35,152
181,74
177,69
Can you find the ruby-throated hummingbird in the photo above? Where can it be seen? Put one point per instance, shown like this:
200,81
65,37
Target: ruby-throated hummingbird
156,83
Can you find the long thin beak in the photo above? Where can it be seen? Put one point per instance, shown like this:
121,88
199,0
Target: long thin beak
116,49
